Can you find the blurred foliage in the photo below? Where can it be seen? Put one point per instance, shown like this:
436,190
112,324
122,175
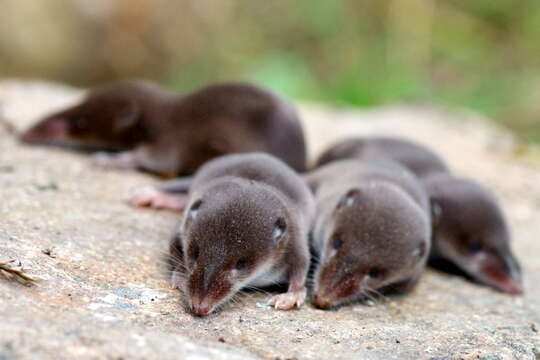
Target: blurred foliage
481,54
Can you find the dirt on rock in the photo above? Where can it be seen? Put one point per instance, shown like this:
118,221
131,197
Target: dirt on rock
103,291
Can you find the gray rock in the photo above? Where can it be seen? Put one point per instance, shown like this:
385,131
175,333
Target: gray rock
104,291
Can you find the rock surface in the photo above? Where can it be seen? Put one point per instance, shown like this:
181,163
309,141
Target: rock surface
104,293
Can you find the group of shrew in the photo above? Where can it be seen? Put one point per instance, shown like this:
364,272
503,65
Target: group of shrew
363,222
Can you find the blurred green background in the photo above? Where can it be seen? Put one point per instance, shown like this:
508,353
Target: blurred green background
479,54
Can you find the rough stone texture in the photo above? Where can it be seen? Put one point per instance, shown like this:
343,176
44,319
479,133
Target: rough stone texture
105,293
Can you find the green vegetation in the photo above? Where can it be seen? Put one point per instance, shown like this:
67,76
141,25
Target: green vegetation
482,54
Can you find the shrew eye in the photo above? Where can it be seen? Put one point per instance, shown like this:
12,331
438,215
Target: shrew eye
474,246
79,123
241,264
337,241
469,243
375,272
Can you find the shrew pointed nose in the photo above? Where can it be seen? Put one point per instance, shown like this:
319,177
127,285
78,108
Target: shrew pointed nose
511,286
200,310
321,302
201,307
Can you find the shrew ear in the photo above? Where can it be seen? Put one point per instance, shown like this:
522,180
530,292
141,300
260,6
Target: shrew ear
420,250
348,199
126,115
279,232
192,213
436,212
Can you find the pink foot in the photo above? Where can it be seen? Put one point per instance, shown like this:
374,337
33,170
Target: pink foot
155,199
288,300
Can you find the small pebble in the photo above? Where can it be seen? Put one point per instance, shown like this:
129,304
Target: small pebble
49,252
46,187
7,169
